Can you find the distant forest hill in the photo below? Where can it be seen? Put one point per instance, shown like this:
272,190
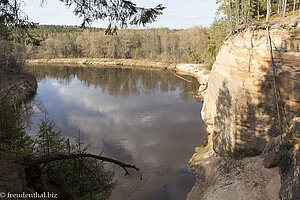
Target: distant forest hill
44,31
160,44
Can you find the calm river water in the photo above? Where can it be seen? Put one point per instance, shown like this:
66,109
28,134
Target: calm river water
142,117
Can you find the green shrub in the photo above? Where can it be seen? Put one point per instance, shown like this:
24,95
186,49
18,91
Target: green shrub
81,178
13,138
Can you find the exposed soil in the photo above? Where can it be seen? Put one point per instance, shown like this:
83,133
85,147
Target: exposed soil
18,86
227,178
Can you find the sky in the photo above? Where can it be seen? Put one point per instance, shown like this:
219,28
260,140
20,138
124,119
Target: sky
178,14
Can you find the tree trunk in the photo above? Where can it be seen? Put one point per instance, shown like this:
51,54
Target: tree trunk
236,13
279,7
294,7
258,9
268,11
284,8
230,14
239,10
249,11
226,10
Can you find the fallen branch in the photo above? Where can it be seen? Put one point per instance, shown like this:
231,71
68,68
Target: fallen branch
31,161
182,78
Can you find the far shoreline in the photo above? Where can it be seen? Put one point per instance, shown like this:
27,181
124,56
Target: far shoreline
199,71
104,62
192,69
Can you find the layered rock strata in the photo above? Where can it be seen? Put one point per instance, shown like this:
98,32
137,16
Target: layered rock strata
239,104
241,113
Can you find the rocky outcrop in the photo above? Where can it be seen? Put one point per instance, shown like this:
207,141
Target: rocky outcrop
272,175
250,153
239,104
283,151
225,178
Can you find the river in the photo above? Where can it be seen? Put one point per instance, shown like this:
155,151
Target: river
144,117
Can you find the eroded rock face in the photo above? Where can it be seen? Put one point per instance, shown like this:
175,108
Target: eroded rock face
290,163
223,178
240,104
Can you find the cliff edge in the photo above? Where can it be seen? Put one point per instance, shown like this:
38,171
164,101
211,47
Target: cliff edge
250,153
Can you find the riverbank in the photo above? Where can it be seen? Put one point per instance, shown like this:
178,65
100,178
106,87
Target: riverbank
104,61
198,71
18,86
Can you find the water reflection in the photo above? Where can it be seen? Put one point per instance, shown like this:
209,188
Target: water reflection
143,117
118,81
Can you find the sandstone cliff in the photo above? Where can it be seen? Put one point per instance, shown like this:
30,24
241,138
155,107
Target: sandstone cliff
240,112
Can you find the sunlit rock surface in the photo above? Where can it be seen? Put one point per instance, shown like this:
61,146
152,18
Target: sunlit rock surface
224,178
241,116
239,101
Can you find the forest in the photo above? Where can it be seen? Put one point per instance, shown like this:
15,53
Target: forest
196,44
246,12
153,44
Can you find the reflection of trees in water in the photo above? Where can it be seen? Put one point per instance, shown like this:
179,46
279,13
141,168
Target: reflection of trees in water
27,110
118,81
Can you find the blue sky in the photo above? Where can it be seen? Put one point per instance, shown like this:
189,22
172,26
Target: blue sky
178,14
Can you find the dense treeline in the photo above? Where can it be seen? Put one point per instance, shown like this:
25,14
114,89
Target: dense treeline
11,57
232,14
197,44
155,44
240,12
51,31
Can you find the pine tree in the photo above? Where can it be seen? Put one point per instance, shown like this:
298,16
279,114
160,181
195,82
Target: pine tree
13,137
81,178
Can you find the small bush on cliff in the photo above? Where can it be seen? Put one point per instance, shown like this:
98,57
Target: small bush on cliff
217,32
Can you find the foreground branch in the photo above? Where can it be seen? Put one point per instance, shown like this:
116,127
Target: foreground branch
31,161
